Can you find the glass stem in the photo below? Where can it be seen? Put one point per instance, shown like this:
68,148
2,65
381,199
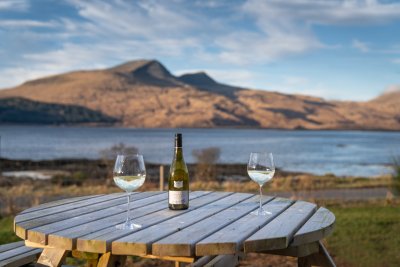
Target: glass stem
260,197
128,211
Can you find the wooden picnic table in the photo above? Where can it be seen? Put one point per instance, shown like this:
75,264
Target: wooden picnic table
218,227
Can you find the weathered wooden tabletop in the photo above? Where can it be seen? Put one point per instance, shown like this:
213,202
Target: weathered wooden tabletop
216,223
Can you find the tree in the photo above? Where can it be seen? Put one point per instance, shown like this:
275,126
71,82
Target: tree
206,158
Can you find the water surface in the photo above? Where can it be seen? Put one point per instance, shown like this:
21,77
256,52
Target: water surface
344,153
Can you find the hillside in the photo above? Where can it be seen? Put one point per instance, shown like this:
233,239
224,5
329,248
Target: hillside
145,94
20,110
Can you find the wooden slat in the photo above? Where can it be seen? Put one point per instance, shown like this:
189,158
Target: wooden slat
320,225
21,259
60,216
21,227
69,206
10,246
229,240
101,241
109,208
140,242
279,232
69,219
67,238
58,203
182,243
16,251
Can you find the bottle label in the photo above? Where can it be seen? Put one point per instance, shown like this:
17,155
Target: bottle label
178,197
178,184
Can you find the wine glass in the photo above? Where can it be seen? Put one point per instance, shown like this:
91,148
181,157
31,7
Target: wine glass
129,174
261,169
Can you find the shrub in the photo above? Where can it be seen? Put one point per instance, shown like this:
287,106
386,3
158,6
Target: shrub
206,158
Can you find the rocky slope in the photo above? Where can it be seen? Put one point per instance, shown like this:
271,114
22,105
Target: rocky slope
145,94
17,110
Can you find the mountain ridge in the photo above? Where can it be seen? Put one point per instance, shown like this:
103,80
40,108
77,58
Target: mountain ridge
144,93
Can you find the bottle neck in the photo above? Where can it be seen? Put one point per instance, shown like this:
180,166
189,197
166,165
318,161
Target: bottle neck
178,153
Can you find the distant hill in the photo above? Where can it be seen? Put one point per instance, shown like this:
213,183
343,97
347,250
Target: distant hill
20,110
144,93
388,102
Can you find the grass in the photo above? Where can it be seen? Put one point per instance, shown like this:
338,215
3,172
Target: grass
6,231
366,235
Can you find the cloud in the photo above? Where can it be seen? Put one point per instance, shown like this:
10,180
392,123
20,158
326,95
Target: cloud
243,48
14,5
302,13
396,61
27,23
103,33
68,58
361,46
16,75
136,19
286,27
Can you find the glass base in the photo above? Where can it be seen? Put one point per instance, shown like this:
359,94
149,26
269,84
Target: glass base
260,212
128,226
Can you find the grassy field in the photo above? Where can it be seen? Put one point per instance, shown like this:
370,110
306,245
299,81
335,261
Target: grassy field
6,231
366,235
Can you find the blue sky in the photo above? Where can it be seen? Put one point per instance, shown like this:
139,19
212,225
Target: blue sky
344,50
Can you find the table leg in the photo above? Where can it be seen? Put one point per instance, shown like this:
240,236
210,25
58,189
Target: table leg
52,257
321,258
109,260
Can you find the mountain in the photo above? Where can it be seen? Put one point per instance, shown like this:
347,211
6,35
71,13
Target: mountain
389,101
204,82
146,72
20,110
144,93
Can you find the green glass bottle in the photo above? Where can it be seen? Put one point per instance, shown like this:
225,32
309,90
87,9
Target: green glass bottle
178,181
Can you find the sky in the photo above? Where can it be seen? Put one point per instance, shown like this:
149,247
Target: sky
337,50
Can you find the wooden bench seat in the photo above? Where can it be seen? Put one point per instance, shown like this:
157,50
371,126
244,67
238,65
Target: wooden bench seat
17,254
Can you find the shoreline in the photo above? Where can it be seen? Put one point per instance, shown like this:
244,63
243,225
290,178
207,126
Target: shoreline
15,165
217,176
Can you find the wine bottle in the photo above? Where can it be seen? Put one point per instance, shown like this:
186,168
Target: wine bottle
178,181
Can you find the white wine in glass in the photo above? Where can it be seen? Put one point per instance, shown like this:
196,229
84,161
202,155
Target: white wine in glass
129,174
261,169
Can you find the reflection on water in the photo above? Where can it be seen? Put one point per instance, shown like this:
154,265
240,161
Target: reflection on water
338,152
